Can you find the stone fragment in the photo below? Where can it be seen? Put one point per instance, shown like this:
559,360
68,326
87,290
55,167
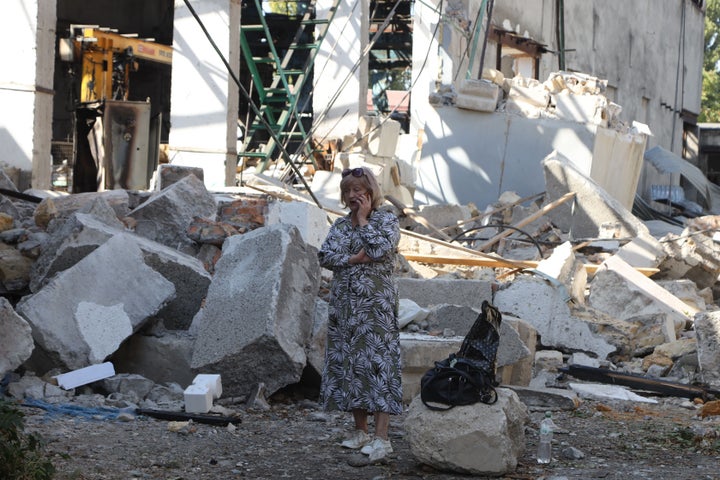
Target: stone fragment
476,439
166,215
61,207
14,269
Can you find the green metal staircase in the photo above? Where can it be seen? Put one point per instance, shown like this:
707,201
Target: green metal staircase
278,97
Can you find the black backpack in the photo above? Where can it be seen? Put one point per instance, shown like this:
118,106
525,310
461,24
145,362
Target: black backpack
468,376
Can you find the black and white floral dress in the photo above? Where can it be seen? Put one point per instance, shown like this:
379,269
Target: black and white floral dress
362,361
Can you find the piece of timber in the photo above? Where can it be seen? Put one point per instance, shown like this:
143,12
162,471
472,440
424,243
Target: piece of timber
529,219
195,417
639,382
501,263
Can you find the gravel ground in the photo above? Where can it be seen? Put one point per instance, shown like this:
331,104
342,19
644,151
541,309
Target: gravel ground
293,439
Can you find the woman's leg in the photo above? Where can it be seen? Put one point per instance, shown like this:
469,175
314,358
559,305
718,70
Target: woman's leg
361,419
382,423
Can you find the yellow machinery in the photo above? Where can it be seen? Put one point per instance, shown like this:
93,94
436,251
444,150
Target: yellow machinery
108,58
116,140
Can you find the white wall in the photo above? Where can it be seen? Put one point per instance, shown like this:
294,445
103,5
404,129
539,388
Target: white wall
204,96
473,157
335,70
635,45
27,33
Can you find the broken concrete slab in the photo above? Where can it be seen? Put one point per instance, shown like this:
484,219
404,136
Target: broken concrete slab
81,316
61,207
607,392
563,266
315,350
623,292
643,251
476,439
593,206
82,233
539,303
169,174
520,371
166,215
16,342
258,314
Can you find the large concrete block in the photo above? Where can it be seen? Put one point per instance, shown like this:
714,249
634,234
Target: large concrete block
310,220
84,313
592,208
623,292
82,233
258,314
166,216
382,141
543,305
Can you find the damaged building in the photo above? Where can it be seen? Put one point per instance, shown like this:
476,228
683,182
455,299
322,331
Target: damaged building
168,171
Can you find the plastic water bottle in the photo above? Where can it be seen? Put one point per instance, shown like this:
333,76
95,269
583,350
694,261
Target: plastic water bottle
544,451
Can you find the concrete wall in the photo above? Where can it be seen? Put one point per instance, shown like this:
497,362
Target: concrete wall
204,96
336,70
27,33
474,157
637,46
650,51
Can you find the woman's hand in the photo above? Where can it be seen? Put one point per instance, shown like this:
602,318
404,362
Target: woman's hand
364,209
360,257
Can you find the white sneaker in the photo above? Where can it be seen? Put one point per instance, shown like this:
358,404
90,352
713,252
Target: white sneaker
377,449
358,439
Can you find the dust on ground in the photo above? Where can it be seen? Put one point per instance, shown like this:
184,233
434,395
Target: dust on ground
294,439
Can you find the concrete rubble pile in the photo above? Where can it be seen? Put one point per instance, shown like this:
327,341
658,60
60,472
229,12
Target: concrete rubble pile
178,282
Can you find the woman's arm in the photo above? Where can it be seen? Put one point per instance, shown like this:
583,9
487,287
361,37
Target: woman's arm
381,235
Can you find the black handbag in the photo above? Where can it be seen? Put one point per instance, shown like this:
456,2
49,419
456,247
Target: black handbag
467,377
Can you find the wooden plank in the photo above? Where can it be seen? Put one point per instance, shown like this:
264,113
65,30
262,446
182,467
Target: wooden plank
527,220
500,263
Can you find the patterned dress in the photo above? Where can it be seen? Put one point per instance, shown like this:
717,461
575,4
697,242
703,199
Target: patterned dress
362,361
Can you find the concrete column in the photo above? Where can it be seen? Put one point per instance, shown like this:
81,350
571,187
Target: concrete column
335,70
205,98
27,33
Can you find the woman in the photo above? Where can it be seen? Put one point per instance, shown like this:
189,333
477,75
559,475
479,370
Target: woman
362,371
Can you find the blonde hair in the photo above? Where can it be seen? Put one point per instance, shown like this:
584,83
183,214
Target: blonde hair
367,180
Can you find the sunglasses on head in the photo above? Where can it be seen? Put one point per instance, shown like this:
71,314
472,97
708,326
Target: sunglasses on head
355,172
